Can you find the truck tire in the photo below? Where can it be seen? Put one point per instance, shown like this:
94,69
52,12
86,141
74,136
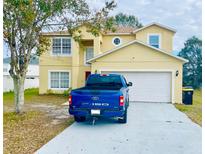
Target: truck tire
79,119
127,103
124,118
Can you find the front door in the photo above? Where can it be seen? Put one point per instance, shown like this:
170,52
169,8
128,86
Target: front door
87,73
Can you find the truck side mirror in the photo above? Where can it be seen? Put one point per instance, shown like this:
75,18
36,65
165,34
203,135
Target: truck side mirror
129,84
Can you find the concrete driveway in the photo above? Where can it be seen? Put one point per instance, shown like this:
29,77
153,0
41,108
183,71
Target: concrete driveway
152,128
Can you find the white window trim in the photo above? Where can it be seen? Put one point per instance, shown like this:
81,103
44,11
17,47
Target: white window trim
49,79
151,34
86,64
61,55
114,39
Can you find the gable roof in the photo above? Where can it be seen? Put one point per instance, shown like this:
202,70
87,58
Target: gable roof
55,33
157,24
121,30
118,30
133,42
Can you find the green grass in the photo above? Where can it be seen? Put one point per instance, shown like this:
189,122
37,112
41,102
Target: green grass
32,95
194,111
28,94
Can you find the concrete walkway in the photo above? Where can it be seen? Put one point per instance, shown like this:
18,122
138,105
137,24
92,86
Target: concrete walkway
152,128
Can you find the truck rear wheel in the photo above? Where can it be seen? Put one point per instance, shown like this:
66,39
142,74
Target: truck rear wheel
79,119
124,118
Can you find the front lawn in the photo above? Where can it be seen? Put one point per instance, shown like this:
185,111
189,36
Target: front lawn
33,94
43,118
194,111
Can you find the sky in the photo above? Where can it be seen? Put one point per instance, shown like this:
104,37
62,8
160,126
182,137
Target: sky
183,15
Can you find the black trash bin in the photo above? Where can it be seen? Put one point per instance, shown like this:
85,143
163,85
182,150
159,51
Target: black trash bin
188,95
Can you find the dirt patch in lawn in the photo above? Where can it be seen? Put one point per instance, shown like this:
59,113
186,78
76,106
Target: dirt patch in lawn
43,118
27,132
58,113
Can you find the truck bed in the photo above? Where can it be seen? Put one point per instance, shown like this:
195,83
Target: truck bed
86,97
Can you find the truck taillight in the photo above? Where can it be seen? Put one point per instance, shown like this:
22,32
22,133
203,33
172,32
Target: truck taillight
70,100
104,75
121,100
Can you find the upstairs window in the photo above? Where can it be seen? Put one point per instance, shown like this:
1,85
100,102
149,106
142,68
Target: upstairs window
154,40
89,53
61,46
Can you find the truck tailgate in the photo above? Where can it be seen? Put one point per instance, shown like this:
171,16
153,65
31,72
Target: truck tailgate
96,99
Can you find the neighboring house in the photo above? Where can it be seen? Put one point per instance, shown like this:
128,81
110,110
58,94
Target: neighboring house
143,56
32,76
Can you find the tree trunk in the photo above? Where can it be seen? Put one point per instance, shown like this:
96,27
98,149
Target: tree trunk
19,93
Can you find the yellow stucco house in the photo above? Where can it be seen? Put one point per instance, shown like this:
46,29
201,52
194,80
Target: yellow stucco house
142,55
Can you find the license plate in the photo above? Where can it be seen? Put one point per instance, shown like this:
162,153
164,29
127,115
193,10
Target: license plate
95,112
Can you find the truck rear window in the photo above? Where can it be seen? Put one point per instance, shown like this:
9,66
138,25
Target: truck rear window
104,81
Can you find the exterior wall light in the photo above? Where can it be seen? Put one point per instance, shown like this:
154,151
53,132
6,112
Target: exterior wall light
177,73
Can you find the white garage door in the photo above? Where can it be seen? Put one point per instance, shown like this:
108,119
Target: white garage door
148,86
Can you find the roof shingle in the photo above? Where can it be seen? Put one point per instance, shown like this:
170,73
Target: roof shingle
122,29
118,29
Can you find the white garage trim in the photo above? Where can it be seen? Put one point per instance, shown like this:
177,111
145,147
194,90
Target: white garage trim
173,72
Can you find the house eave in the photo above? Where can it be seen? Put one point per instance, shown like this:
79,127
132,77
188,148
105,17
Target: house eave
158,24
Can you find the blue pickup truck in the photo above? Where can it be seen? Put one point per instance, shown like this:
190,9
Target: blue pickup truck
104,95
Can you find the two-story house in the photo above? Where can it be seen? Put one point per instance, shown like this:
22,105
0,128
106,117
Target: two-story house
142,55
